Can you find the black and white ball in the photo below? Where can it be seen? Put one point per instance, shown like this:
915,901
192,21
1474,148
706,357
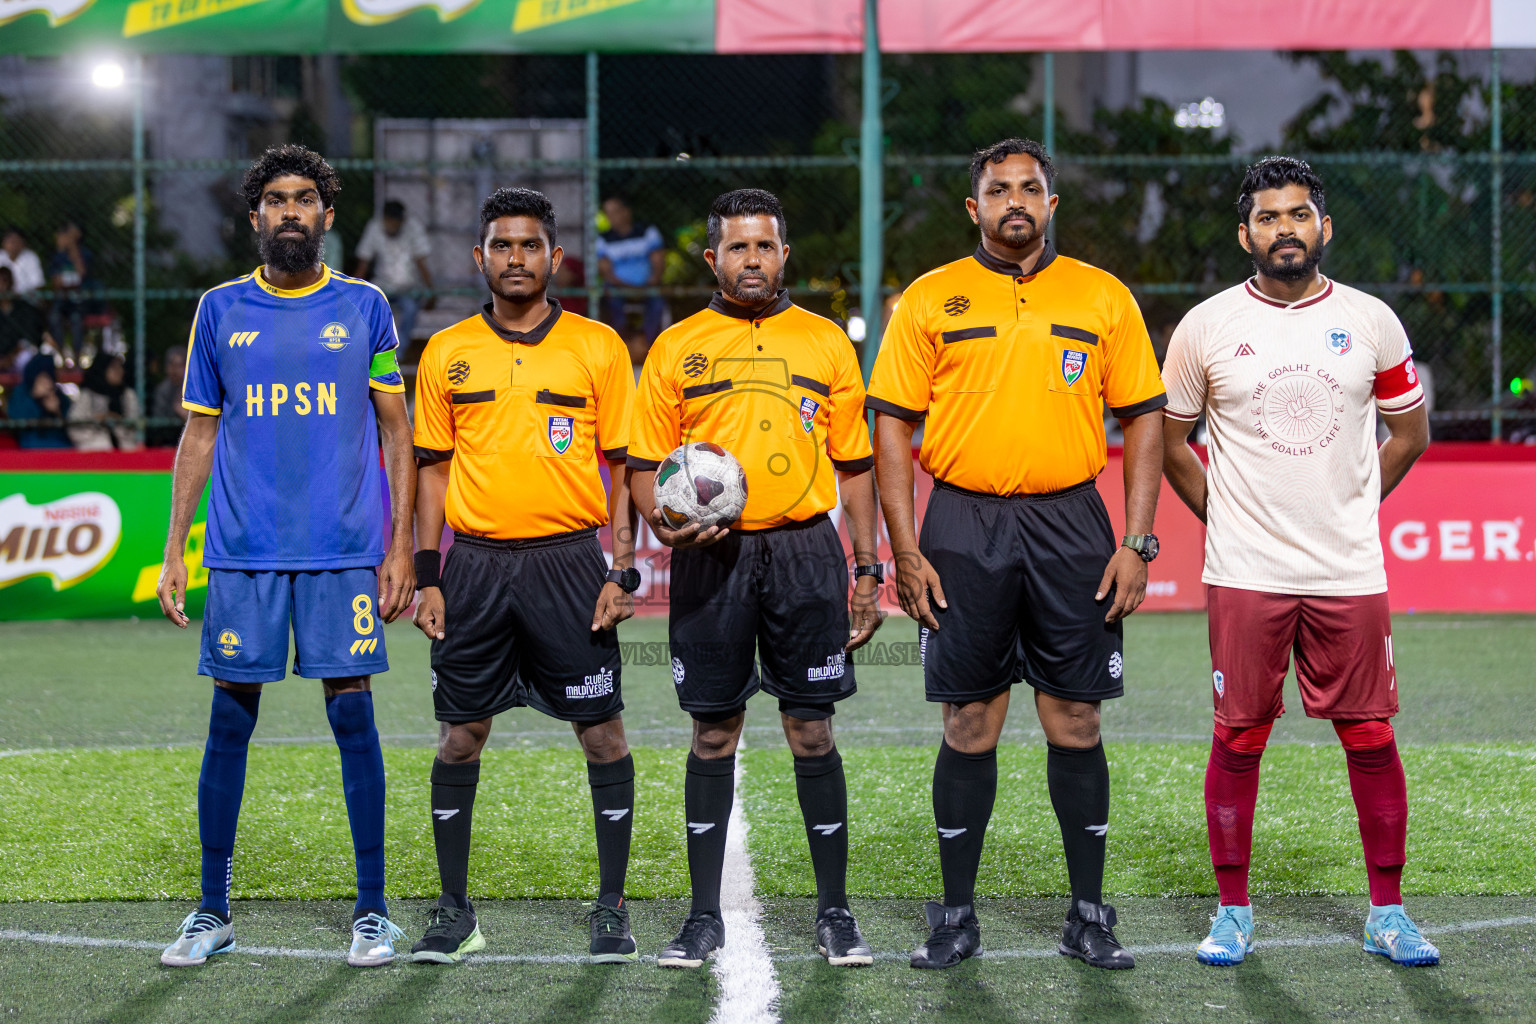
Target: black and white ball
700,483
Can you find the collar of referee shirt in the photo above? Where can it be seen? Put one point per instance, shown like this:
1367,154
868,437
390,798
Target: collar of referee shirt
533,337
720,304
992,263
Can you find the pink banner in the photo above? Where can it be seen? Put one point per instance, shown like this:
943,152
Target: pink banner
996,26
1459,536
789,26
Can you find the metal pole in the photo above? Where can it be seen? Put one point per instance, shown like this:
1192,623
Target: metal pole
1496,247
1048,69
140,342
871,193
590,198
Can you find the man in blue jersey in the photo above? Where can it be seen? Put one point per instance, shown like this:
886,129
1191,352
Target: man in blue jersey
288,368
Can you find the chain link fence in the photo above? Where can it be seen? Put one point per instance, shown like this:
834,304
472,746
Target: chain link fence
1407,148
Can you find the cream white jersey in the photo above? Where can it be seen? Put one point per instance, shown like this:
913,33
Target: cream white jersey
1290,393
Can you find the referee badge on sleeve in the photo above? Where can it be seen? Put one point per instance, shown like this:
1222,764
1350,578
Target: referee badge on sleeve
1072,364
808,408
561,430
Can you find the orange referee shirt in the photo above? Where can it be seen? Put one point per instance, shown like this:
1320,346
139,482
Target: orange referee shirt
524,416
1012,370
779,389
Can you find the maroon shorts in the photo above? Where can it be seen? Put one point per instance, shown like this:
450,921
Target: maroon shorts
1343,651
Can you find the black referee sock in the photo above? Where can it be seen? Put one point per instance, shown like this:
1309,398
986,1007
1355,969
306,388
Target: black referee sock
613,806
823,792
964,788
707,793
1079,784
453,805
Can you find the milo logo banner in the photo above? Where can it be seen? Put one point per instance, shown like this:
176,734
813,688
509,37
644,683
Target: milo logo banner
88,545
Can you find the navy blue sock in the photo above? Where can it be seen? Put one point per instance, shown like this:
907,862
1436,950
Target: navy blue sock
220,787
362,780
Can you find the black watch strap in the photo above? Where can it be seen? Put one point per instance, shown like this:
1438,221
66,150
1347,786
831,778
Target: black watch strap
877,570
627,579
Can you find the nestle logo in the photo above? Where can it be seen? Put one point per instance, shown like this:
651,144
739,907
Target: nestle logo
64,515
956,304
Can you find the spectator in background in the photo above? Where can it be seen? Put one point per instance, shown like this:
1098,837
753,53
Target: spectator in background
39,398
393,255
70,271
631,255
572,277
165,403
22,328
99,417
23,263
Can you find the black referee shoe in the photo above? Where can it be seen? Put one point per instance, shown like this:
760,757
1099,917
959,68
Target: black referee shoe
701,935
611,940
452,931
953,935
1087,936
839,940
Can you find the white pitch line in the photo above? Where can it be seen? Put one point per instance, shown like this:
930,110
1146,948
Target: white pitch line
1043,952
749,986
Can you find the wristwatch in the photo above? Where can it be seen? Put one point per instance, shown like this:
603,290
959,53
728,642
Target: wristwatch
1144,544
877,570
627,579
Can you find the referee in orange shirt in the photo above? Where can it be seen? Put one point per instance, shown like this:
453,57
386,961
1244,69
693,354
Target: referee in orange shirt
780,389
1010,355
514,409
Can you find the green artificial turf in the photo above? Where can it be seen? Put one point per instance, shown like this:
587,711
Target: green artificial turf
121,824
1308,968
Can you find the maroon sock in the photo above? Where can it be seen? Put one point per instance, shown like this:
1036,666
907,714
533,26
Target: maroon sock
1381,800
1231,790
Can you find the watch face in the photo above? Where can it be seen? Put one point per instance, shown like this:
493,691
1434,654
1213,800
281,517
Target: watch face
1151,547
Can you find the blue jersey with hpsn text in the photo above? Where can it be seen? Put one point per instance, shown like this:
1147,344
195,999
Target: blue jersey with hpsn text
296,475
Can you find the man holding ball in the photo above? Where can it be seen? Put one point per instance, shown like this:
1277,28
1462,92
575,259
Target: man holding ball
780,389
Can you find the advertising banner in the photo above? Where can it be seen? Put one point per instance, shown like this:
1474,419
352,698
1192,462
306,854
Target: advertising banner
88,545
752,26
1459,535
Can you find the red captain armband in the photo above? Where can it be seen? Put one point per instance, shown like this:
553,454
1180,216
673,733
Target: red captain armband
1398,382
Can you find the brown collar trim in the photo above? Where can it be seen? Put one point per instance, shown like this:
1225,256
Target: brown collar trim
724,306
532,337
999,266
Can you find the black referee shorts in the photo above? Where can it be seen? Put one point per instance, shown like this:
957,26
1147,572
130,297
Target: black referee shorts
518,631
779,594
1019,574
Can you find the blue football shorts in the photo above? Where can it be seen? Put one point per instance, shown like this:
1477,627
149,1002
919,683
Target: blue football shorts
336,628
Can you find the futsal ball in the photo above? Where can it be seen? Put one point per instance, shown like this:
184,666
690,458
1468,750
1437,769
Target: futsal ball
700,483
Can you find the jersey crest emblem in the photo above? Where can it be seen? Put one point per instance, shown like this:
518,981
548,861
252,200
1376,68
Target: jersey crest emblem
458,373
560,433
1339,341
228,643
808,408
1072,364
695,364
1220,682
334,337
956,304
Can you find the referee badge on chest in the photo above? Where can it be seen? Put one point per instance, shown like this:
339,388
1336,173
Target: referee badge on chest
808,408
1073,363
561,430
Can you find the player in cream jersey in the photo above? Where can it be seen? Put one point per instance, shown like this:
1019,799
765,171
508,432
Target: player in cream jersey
1289,370
1287,390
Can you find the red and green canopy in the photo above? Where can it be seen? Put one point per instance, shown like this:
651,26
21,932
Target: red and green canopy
753,26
